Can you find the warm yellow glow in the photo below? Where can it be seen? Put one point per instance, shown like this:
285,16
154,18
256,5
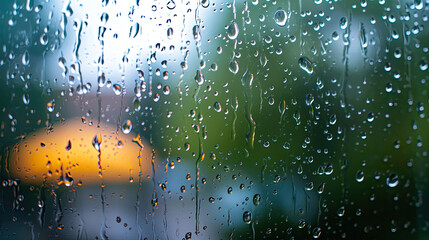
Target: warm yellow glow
44,155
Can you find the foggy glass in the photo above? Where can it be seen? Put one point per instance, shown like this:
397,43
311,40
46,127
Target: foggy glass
207,119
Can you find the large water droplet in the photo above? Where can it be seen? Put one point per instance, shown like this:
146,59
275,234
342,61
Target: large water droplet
69,146
232,31
280,17
117,89
127,126
247,217
360,176
25,58
317,231
134,30
393,180
343,23
199,78
256,199
171,5
233,67
96,142
43,39
217,107
50,105
26,98
305,64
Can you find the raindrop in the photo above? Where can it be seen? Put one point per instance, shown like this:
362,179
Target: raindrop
69,146
343,23
25,58
26,98
232,31
199,78
247,217
169,33
360,176
134,30
321,188
171,5
96,142
317,231
333,119
205,3
217,107
233,67
370,117
50,105
256,199
117,89
127,126
341,211
305,64
280,17
393,180
43,39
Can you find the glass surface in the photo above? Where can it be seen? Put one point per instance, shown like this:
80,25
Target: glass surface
211,119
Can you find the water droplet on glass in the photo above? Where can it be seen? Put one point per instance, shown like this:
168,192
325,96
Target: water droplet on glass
44,39
360,176
305,64
256,199
341,211
217,107
25,58
171,5
26,98
393,180
370,117
247,217
205,3
50,105
134,30
96,142
343,23
199,78
317,231
232,31
117,89
280,17
169,33
69,146
233,67
127,126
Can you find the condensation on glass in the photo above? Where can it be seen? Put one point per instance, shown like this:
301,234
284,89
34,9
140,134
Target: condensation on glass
208,119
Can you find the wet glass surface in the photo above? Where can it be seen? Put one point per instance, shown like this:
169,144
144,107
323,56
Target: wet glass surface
214,119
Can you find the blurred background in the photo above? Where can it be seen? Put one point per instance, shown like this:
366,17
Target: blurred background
214,119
